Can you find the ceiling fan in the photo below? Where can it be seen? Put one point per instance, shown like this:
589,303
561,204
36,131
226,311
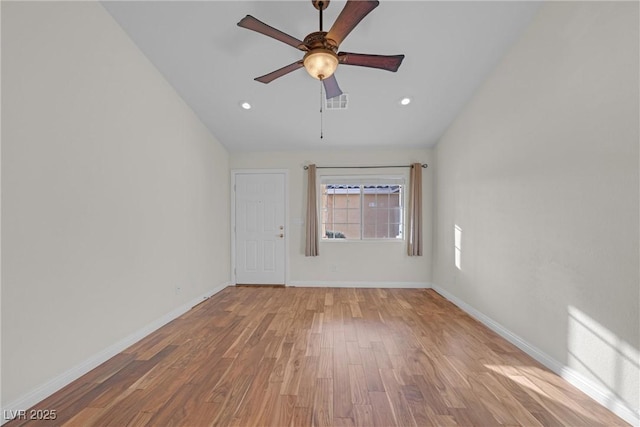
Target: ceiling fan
321,56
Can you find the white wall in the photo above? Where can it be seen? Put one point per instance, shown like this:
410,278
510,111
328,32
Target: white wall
540,172
347,263
113,192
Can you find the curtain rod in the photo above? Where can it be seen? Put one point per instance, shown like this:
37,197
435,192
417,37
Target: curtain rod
305,167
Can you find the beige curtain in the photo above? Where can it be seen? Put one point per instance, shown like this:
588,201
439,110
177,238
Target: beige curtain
311,246
415,210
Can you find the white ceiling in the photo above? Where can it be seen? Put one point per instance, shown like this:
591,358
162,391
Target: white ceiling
450,48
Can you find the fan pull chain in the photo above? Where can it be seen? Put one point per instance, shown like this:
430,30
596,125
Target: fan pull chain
321,112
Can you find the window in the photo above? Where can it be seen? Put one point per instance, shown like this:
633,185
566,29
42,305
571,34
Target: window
362,207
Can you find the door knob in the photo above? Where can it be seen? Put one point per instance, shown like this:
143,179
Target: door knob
281,235
282,227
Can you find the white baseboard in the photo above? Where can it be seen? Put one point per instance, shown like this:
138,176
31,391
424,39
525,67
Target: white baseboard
343,284
48,388
595,391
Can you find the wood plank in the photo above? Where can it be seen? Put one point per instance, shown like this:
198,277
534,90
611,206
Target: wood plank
363,415
399,405
432,395
306,389
503,405
322,412
342,406
277,375
121,412
328,298
343,422
353,353
374,382
325,363
86,416
382,413
313,345
264,414
284,411
140,420
301,417
255,394
358,385
293,373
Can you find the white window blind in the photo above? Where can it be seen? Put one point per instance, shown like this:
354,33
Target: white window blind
362,180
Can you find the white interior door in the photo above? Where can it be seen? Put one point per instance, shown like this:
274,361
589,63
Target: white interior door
260,228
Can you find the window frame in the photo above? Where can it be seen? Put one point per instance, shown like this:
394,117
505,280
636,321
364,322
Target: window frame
392,179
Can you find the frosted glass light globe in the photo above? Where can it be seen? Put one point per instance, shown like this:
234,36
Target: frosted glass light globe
320,63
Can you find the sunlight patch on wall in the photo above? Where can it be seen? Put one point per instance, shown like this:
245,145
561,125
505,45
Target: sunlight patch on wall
457,233
600,354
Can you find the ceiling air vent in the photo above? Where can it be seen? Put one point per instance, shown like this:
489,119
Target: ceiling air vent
339,102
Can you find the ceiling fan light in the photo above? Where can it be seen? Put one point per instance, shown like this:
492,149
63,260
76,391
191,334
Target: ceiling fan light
320,63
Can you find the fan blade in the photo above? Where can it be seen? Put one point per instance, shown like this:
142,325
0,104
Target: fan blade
351,15
267,78
384,62
331,87
251,23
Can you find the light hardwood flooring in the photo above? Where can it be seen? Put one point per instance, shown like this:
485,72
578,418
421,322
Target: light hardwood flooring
254,356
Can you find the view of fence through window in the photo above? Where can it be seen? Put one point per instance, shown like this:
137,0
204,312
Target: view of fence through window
362,211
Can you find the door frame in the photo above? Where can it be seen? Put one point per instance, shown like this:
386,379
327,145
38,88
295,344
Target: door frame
232,231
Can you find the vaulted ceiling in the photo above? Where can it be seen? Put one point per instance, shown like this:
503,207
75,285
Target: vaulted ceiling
450,48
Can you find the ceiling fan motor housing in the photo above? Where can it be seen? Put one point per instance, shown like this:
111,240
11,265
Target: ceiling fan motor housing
319,39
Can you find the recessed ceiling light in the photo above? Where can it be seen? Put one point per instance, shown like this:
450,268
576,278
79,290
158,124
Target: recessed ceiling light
245,105
405,101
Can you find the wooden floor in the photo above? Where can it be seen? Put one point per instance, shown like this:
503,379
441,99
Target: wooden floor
320,357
